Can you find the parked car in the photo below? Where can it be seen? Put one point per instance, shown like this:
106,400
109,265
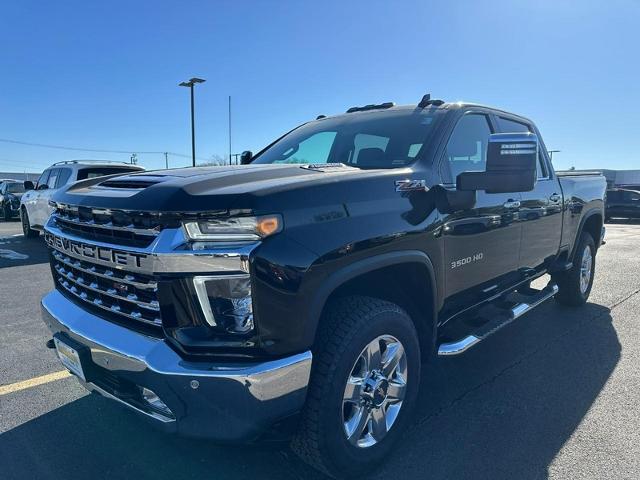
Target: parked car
10,193
622,203
303,291
34,205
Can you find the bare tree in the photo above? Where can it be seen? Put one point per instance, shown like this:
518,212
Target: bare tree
215,161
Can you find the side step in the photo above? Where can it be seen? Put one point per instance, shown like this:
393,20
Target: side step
492,326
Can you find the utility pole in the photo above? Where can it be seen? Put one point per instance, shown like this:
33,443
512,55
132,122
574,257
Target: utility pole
190,84
166,160
229,129
134,159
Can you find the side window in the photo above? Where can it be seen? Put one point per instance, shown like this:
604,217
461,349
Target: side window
63,177
467,146
631,196
44,178
53,177
315,149
370,146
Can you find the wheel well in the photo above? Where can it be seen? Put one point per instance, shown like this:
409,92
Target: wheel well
408,285
593,226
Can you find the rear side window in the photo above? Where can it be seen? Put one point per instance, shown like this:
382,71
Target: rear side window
511,126
614,195
467,145
632,196
53,177
63,177
93,172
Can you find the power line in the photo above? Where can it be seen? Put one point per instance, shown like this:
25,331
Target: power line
95,150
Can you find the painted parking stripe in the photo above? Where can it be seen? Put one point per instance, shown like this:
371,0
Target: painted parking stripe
34,382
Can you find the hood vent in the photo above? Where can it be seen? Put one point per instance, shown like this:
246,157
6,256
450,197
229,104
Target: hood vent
134,182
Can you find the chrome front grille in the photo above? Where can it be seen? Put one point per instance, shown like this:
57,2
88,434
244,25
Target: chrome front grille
125,295
118,227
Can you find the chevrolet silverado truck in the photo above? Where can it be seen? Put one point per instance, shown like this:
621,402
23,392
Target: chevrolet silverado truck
300,292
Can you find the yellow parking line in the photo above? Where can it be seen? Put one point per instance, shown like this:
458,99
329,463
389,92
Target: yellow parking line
34,382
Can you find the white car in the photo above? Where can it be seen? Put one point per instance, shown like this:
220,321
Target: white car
34,204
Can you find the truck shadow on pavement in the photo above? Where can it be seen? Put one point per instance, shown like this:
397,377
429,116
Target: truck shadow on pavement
503,410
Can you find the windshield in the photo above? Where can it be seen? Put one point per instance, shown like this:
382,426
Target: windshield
94,172
377,139
15,188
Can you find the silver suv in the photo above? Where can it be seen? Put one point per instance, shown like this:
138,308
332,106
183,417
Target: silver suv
34,204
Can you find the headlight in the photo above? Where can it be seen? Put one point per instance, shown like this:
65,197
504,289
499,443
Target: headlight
233,229
226,301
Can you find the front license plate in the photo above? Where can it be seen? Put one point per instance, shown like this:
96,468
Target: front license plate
69,357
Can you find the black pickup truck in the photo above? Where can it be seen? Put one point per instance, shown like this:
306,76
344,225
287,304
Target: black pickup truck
302,291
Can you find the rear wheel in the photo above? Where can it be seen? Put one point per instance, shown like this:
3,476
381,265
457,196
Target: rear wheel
26,225
7,213
366,370
574,285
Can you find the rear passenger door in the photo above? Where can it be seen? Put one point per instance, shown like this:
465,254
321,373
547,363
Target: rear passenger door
481,245
540,209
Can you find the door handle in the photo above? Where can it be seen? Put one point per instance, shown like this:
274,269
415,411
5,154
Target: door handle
511,204
555,198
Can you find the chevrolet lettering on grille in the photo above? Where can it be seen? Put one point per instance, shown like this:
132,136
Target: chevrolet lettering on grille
103,255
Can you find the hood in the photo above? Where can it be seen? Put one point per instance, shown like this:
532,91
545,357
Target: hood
259,188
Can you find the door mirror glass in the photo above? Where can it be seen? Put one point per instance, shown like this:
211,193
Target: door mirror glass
43,187
246,157
511,165
28,185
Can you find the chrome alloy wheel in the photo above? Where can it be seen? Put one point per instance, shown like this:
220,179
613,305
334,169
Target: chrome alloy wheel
374,391
586,265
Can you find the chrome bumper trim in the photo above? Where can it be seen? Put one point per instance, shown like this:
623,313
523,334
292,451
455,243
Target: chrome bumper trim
232,401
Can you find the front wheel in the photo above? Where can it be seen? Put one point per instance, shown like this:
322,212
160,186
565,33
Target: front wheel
363,387
7,213
26,225
574,285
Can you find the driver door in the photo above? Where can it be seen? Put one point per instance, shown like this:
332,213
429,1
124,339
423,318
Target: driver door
481,245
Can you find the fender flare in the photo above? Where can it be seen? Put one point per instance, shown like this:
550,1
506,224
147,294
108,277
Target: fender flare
360,267
590,213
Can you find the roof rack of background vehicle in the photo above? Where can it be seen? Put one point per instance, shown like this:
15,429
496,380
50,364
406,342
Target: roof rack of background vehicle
68,162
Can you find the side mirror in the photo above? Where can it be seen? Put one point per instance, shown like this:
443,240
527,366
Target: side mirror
44,186
28,185
246,157
511,165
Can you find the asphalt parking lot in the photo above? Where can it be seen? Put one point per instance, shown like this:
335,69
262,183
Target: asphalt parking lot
555,395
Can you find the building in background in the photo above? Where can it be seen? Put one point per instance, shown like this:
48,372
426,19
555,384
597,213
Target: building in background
20,176
622,178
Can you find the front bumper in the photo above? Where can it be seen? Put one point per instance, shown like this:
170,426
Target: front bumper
221,401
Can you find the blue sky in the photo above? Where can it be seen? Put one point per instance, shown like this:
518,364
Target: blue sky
104,75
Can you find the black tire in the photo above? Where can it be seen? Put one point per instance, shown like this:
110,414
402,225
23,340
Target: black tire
348,326
26,225
7,213
571,291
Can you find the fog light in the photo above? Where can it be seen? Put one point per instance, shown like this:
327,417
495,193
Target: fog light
154,401
226,301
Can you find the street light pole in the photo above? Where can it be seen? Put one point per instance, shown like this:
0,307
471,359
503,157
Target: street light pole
551,152
190,84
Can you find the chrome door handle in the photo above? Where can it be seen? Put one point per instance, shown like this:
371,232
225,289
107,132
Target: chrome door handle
511,204
555,198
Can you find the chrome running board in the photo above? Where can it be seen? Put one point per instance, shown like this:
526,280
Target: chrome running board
459,346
